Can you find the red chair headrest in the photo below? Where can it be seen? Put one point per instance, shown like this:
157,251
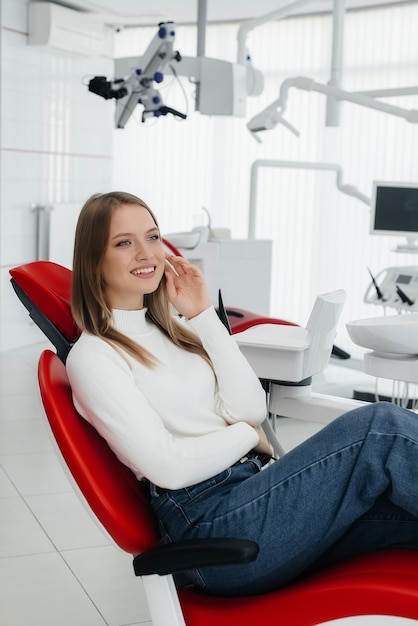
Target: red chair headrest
48,285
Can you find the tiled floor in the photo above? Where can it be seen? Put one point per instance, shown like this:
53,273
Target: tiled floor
56,567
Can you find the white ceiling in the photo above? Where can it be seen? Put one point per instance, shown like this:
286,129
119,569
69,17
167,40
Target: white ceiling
150,12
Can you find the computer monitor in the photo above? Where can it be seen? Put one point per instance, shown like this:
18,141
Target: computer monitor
395,212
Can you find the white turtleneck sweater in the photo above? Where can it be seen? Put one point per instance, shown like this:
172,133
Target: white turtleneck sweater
174,424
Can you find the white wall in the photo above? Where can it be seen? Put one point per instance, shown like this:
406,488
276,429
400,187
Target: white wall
56,147
320,236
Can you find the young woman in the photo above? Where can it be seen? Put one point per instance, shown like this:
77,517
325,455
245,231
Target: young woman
159,377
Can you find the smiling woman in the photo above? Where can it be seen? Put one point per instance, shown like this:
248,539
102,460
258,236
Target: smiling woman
160,378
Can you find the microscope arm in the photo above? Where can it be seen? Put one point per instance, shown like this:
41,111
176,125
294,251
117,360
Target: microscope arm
139,85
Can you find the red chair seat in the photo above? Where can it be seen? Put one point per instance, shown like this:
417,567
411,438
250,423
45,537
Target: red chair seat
379,583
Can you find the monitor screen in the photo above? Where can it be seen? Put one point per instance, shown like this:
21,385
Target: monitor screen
395,209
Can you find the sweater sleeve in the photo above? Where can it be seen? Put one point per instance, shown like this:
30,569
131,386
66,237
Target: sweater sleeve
241,397
105,393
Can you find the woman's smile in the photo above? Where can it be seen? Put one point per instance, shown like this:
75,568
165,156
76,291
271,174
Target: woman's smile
144,272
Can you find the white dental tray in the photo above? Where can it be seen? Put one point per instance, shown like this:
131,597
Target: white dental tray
396,334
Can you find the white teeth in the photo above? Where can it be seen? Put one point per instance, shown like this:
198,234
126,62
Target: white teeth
145,270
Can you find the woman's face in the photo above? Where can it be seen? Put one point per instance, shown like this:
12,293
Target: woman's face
134,260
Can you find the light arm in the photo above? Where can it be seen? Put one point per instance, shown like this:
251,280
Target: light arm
304,165
273,114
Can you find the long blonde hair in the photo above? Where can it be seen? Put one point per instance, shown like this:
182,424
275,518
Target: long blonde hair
90,306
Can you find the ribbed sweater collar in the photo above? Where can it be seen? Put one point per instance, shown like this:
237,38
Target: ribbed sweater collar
131,322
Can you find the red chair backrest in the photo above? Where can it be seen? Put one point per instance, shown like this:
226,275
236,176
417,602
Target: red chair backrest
116,497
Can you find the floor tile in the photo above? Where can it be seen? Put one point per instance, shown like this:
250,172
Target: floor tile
66,521
7,489
108,577
21,533
40,590
22,436
35,474
30,354
20,407
138,624
14,383
12,362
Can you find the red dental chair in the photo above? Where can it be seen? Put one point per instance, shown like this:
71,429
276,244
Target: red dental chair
380,583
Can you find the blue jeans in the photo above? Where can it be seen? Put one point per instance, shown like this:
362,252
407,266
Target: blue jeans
349,489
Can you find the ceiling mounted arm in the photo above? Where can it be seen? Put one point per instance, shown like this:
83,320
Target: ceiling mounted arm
273,114
248,25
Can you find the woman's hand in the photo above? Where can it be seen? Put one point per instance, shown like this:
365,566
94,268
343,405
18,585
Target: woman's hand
264,446
186,287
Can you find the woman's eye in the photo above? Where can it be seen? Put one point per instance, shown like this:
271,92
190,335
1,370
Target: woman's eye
125,242
154,238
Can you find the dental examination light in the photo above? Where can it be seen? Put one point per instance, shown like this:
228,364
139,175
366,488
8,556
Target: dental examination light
140,86
273,114
268,119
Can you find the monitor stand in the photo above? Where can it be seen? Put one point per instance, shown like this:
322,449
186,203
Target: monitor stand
410,246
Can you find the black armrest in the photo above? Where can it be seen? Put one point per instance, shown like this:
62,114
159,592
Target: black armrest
180,556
